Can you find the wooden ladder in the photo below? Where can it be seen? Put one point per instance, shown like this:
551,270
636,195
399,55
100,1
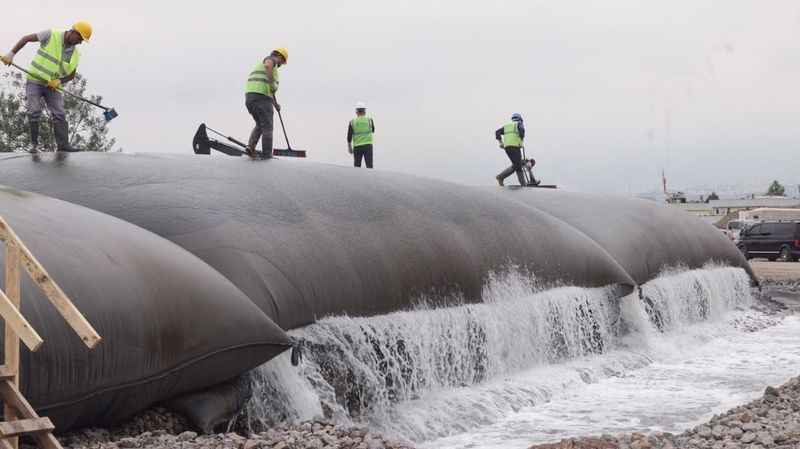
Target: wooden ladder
18,329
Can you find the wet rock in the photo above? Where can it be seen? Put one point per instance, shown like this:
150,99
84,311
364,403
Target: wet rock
314,443
771,391
751,427
765,439
252,444
186,436
748,437
127,443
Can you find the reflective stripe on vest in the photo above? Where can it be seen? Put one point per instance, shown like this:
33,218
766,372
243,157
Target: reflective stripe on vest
48,64
362,131
257,81
511,136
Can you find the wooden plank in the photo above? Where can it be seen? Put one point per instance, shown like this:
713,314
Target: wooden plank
6,445
47,441
62,303
25,426
15,325
12,397
6,374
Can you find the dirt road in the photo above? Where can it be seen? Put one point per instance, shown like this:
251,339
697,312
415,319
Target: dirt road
776,271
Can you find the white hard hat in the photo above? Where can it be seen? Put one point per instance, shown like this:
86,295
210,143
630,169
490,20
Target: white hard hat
361,105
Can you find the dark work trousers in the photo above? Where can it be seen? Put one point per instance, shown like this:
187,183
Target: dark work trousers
261,108
39,95
365,152
515,155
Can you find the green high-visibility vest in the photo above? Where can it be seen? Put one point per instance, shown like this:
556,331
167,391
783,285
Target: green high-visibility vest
257,81
49,64
362,131
511,137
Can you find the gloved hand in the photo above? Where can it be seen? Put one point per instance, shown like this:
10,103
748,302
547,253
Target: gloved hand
502,146
8,59
349,147
54,84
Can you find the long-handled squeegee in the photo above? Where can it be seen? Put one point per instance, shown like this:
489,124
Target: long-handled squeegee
108,113
288,151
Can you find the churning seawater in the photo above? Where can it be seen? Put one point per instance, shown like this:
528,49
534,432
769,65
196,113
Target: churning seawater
533,365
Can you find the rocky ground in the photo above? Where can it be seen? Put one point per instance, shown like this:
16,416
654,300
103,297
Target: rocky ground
776,271
161,429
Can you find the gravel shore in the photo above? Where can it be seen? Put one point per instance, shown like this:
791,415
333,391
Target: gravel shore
771,422
161,429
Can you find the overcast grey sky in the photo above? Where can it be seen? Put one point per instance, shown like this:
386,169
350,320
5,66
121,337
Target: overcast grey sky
611,91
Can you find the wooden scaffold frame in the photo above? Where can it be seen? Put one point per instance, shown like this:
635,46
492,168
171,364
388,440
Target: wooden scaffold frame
20,417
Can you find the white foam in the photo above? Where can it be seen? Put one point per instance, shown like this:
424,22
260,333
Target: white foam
445,377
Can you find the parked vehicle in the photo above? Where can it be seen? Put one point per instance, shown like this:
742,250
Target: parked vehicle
775,240
734,229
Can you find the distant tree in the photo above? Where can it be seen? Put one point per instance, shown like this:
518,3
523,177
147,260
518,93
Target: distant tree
775,189
87,126
712,197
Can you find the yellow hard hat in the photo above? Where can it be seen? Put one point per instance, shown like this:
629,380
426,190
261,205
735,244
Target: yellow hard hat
283,52
84,29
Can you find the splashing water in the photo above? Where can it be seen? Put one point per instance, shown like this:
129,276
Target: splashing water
428,374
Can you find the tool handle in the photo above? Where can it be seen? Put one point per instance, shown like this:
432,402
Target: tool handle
285,136
236,141
62,89
231,139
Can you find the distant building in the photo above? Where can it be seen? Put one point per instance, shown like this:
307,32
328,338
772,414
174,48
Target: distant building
715,210
696,208
724,207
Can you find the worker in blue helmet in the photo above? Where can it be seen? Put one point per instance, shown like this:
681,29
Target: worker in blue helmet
511,136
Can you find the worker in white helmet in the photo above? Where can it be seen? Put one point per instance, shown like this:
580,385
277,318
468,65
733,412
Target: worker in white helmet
359,136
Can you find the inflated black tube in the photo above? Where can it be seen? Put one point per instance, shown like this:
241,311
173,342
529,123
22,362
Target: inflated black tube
643,236
170,323
306,240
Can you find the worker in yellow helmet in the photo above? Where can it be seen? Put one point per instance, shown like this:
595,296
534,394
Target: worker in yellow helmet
53,65
262,85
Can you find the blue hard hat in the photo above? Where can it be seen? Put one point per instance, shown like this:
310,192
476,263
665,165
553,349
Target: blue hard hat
516,117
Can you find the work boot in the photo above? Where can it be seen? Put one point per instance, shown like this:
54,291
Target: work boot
34,128
266,147
253,141
61,132
505,174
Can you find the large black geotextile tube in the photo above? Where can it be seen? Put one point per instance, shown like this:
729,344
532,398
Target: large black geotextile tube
306,240
643,236
170,323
